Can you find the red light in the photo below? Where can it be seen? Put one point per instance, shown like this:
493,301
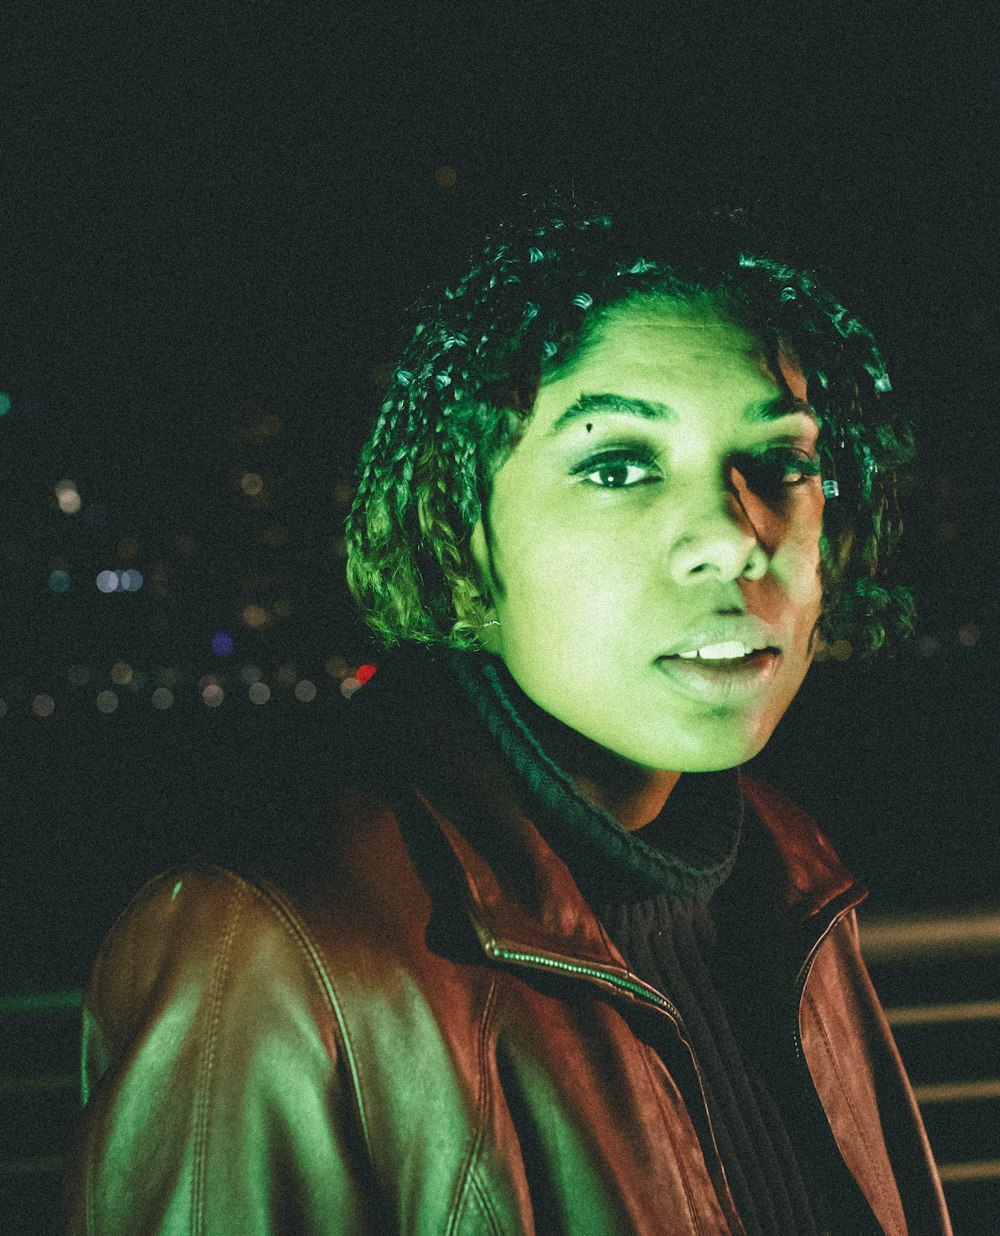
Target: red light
364,672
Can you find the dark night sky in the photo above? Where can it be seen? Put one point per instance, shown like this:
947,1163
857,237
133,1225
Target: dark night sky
211,209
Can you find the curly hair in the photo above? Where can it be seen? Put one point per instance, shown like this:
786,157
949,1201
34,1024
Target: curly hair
525,309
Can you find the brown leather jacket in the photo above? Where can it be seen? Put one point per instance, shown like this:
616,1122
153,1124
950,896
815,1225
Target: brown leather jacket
424,1028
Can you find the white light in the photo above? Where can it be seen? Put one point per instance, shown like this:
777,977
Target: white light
348,687
259,692
107,581
130,581
107,702
67,497
305,691
43,705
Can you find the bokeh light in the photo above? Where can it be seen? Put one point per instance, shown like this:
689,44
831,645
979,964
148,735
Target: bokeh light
59,581
67,497
287,675
305,691
162,698
349,686
252,484
5,404
255,616
364,672
968,635
250,673
43,705
446,176
213,695
78,675
107,581
130,581
222,643
107,702
121,673
337,667
259,692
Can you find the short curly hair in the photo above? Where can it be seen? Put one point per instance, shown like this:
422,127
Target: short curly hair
464,389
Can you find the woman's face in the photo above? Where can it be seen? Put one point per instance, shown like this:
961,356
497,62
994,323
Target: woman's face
665,499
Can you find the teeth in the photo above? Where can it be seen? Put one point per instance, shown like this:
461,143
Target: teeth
718,652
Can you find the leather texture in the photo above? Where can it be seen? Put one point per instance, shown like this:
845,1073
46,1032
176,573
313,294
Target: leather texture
422,1027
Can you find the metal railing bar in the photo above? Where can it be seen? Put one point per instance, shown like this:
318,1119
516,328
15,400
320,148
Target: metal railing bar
40,1002
934,1014
920,937
957,1092
39,1165
985,1169
38,1082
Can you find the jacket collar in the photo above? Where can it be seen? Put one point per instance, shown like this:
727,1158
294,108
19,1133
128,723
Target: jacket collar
520,894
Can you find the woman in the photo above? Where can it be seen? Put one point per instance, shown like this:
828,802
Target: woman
555,964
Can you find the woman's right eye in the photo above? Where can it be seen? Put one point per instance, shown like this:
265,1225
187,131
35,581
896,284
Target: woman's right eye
619,470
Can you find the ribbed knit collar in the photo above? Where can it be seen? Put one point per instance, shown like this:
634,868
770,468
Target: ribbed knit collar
688,850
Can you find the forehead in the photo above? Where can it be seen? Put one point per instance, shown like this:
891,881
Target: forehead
653,349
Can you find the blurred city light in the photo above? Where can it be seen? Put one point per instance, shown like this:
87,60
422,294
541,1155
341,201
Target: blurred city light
67,497
107,702
222,643
43,705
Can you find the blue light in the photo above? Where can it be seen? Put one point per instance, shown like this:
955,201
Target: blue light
59,581
222,643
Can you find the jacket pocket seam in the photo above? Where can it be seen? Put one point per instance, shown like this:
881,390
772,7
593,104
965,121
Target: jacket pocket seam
466,1179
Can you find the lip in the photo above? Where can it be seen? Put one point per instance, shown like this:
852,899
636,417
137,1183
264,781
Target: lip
733,685
745,629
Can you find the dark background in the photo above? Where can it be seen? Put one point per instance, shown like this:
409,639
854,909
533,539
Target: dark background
211,219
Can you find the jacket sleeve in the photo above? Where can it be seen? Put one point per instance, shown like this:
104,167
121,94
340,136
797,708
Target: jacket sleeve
218,1098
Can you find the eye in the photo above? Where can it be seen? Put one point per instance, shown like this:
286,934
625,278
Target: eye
782,467
618,469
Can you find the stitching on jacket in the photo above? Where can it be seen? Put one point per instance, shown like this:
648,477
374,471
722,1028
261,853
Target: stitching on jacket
877,1174
299,934
466,1175
203,1088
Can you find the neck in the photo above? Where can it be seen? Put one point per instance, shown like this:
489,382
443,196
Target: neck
630,793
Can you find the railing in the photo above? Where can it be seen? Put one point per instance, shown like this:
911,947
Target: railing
939,978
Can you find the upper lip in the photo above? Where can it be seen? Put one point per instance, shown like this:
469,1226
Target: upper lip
744,629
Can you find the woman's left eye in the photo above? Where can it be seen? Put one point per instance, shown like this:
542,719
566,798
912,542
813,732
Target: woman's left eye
782,466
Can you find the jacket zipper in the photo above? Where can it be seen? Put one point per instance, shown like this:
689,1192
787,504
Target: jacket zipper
551,963
803,975
651,997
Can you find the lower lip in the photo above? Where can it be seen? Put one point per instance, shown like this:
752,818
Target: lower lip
733,685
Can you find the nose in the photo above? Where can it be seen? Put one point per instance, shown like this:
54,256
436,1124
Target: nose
716,539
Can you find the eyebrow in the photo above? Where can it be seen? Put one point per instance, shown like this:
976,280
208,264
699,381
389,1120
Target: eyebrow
651,410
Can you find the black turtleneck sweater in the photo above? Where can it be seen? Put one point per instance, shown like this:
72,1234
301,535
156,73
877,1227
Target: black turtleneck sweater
686,901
